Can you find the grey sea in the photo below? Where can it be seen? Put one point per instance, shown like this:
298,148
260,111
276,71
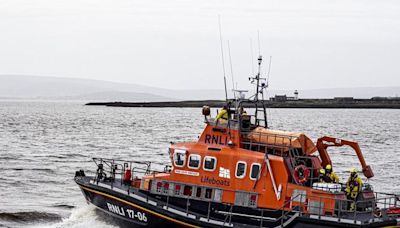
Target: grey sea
42,144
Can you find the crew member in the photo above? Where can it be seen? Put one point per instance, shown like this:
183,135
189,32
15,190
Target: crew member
245,119
223,114
323,177
113,172
127,177
243,112
332,175
353,187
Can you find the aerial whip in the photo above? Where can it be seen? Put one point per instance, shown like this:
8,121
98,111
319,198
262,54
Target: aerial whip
230,63
222,56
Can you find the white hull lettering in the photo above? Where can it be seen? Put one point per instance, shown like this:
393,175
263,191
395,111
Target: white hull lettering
185,172
132,214
116,209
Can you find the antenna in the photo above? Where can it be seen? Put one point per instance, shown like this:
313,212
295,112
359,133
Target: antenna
259,66
222,56
223,68
259,46
251,56
258,77
269,69
230,62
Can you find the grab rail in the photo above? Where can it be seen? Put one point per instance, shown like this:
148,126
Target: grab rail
316,206
137,168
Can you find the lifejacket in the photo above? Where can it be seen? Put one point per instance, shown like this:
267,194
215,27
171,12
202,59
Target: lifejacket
333,176
325,178
353,186
223,114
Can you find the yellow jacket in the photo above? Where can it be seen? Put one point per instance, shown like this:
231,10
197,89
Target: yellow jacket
223,114
334,177
353,186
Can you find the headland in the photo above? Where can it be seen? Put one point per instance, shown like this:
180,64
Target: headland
276,102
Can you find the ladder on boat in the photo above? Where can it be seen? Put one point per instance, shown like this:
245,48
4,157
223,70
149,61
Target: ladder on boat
263,111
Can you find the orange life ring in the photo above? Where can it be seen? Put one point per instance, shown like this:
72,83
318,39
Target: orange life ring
301,174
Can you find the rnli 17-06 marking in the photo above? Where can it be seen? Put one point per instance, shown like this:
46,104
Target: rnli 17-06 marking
141,216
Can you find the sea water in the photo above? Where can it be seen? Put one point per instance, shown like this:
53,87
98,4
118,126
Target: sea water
42,144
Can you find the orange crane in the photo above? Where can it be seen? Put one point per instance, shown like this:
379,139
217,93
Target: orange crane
324,142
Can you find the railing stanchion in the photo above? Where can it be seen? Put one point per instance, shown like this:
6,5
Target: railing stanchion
167,201
319,208
187,206
340,209
230,215
301,201
355,211
209,208
384,202
373,210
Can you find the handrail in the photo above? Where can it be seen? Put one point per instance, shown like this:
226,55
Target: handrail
377,205
120,160
273,136
131,165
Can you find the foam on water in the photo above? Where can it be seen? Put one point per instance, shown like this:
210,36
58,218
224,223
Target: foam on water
81,217
17,219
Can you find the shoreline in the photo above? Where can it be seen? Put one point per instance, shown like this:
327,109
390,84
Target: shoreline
301,103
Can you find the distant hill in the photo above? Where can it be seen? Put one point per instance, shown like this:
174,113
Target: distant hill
118,96
37,87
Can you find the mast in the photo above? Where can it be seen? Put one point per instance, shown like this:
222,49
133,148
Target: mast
258,78
260,84
223,59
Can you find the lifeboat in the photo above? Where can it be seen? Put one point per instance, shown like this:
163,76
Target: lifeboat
239,173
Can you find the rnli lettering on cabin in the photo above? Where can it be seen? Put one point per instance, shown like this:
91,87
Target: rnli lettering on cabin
213,181
216,139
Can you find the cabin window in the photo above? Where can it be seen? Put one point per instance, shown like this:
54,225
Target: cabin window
194,161
159,185
253,200
179,158
177,189
241,169
255,170
209,163
217,195
198,192
187,190
166,188
208,193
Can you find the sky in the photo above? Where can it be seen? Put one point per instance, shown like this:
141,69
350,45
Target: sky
175,44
